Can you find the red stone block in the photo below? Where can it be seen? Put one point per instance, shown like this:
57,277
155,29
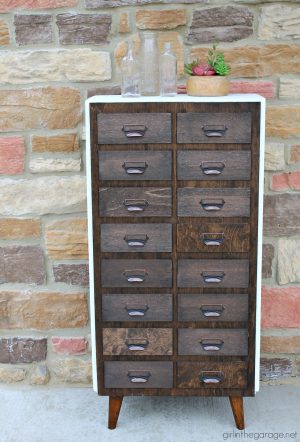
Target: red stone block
281,307
69,346
286,181
10,5
265,88
12,152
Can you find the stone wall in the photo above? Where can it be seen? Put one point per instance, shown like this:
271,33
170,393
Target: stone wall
56,53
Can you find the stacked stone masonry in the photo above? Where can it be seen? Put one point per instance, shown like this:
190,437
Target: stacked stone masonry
56,53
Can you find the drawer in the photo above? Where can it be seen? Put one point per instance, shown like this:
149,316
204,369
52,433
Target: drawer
213,202
133,165
137,341
136,237
137,307
138,374
135,201
214,127
212,374
136,273
212,307
213,165
213,342
213,273
213,237
134,128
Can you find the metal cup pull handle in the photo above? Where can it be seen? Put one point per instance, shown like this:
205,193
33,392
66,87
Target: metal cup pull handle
212,311
212,204
135,276
135,167
136,240
211,377
211,344
214,130
213,277
135,205
134,130
136,310
212,167
212,239
138,376
136,344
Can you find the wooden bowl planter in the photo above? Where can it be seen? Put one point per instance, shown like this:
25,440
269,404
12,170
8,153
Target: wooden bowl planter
207,86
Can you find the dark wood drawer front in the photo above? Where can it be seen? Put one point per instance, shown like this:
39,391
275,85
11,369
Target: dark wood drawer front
213,342
213,202
213,273
135,201
141,307
136,237
134,128
137,341
137,273
210,127
211,307
213,165
138,374
135,165
212,374
214,237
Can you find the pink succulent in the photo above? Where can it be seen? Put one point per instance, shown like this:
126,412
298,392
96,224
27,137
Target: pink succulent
203,70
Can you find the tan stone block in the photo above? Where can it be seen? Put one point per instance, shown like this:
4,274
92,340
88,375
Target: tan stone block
55,143
274,156
43,165
279,21
258,61
10,374
15,228
294,157
42,310
4,33
160,19
280,344
73,370
289,87
283,121
67,239
288,260
40,375
39,108
124,26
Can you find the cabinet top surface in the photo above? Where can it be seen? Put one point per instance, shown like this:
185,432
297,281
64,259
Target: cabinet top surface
180,98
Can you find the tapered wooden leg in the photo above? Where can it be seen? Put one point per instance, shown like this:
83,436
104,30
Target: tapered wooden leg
115,403
237,407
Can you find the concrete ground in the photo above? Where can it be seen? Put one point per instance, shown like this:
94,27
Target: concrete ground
79,415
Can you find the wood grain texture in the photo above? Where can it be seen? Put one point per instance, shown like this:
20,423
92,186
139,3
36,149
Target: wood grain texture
212,237
196,272
153,272
227,342
154,201
137,341
237,407
231,374
137,307
213,165
115,403
191,127
156,127
231,202
119,374
122,237
205,307
135,165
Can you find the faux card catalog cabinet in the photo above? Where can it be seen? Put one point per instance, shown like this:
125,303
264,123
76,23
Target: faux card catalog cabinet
175,190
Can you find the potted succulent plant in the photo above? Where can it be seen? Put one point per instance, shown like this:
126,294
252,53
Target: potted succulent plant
208,78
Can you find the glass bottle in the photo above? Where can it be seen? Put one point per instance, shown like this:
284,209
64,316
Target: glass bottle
168,72
131,79
149,64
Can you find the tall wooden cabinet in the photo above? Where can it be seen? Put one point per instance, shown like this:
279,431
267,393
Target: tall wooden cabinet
175,190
